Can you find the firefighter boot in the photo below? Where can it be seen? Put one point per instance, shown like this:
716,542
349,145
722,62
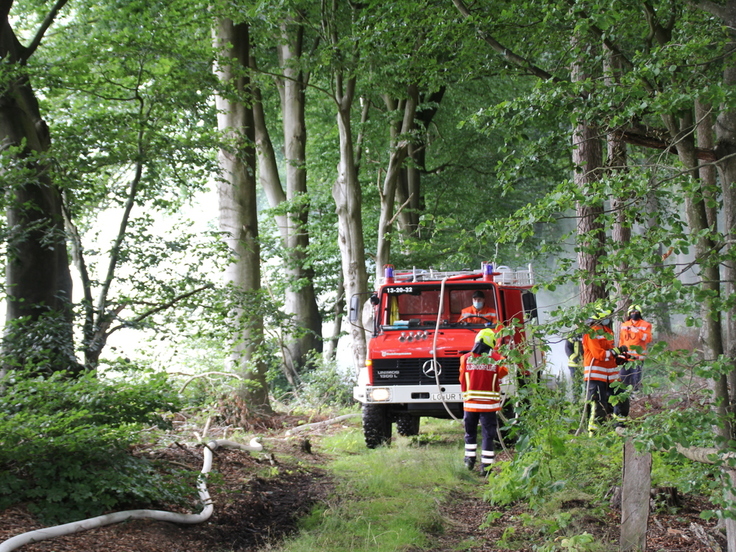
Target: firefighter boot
470,455
487,459
618,420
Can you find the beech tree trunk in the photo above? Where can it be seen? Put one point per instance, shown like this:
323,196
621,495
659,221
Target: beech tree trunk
38,279
726,154
409,188
238,213
399,145
348,201
300,300
346,190
338,309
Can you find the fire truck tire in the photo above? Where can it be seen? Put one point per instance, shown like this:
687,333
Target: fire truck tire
407,425
376,425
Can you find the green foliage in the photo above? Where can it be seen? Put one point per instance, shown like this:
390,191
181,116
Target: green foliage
126,91
65,443
322,385
553,466
579,543
43,345
325,385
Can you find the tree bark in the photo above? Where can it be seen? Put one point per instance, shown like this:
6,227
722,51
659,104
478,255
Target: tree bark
726,153
38,279
587,158
347,194
399,146
238,213
616,163
409,186
338,309
300,300
348,202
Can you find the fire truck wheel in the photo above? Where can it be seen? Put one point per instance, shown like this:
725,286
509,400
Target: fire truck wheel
376,425
407,425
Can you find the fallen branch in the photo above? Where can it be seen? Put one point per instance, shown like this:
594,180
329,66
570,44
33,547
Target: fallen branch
706,455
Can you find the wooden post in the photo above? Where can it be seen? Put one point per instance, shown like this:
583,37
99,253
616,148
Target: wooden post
635,491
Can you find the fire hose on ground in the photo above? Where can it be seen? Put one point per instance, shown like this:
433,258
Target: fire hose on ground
117,517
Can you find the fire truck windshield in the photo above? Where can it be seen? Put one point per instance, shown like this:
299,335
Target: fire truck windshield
418,305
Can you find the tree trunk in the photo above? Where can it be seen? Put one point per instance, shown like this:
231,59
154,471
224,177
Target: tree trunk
409,189
697,218
726,153
587,158
346,190
616,163
399,144
238,213
39,284
707,172
348,201
300,300
664,321
338,310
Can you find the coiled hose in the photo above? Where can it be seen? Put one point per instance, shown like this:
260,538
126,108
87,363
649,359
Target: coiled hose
117,517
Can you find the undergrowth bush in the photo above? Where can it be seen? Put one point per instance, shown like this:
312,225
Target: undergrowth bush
552,467
687,420
65,443
551,464
323,385
326,385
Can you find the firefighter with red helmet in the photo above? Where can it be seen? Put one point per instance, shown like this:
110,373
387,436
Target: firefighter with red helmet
480,382
601,367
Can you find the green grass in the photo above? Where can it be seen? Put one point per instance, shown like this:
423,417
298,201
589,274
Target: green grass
387,498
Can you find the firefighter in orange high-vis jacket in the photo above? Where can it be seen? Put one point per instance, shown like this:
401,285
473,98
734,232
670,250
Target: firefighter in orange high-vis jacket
480,381
478,312
635,334
601,360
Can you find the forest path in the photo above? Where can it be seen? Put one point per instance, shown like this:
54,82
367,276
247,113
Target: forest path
260,497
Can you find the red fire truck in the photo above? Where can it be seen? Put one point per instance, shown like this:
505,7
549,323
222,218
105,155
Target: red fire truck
418,335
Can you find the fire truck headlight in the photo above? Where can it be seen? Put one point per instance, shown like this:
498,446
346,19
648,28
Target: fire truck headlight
379,394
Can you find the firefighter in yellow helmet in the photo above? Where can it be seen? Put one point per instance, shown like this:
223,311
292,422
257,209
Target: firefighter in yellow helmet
635,334
481,372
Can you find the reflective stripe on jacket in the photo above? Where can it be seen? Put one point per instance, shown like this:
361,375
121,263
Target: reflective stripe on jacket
635,333
481,382
599,361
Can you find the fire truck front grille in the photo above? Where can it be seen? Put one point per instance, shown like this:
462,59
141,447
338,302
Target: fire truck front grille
414,371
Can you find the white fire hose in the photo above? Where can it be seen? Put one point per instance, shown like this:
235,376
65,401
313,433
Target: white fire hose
117,517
